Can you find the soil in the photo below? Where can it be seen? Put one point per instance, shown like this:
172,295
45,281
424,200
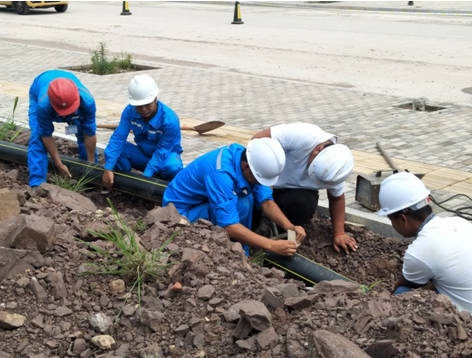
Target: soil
195,320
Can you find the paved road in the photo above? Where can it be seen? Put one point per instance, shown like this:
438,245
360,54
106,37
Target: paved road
261,73
394,53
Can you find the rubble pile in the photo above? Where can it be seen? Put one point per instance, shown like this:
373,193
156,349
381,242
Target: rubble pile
212,301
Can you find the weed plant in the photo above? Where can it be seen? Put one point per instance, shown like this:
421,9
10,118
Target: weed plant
8,129
78,185
101,65
128,259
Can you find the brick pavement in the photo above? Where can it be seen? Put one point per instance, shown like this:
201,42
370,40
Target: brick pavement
438,139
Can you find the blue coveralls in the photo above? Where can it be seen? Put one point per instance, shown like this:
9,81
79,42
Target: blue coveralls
158,143
213,187
41,118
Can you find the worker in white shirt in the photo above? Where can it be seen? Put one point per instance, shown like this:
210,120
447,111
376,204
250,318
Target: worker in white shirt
314,161
442,250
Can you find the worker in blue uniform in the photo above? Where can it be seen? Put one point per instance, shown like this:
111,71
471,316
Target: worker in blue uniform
224,185
58,96
156,130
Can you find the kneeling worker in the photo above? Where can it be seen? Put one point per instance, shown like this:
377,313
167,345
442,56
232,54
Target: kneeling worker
314,161
156,131
224,185
58,96
442,250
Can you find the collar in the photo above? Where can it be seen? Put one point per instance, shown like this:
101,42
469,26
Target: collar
241,181
427,220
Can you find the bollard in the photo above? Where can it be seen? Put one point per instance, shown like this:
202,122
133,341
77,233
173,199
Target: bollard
410,3
125,10
237,14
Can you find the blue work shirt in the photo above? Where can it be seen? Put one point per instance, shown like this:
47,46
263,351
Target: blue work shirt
215,178
157,138
43,114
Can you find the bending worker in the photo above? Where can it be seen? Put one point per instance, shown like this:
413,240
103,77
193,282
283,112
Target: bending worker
156,131
58,96
442,250
224,185
314,161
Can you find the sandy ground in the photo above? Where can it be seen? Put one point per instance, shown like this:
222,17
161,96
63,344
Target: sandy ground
407,54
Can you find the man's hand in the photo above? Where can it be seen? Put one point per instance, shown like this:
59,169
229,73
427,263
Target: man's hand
63,170
108,179
301,234
283,247
345,242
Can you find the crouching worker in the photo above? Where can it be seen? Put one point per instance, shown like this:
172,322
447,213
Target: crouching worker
58,96
224,185
156,130
442,250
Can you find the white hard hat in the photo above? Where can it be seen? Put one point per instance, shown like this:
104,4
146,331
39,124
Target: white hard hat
332,165
266,159
142,89
400,191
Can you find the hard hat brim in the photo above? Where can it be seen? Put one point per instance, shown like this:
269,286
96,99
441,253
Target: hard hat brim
68,110
144,101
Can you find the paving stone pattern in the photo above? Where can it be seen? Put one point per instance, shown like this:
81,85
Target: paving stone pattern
360,119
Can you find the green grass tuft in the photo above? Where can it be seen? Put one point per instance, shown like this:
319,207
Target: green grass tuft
128,259
101,65
8,129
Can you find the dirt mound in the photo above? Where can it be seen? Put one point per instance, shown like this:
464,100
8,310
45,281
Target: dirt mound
226,305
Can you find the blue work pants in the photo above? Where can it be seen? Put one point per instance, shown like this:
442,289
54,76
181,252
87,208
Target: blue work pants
133,157
38,155
245,210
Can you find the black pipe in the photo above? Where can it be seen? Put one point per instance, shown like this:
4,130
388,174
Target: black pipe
304,268
134,184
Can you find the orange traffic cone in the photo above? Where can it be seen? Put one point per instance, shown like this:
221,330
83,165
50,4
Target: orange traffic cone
237,14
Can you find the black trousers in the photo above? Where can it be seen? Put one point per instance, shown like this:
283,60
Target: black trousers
298,205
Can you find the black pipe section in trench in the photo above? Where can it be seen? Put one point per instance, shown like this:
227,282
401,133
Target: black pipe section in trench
153,189
130,183
303,268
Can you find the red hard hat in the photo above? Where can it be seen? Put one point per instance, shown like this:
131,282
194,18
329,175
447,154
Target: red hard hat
64,96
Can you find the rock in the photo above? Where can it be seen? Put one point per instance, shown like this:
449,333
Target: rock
242,329
336,287
167,215
79,346
123,350
298,303
332,345
56,280
129,309
192,255
117,286
11,320
100,322
266,338
37,289
461,333
68,198
9,204
382,349
5,355
205,292
271,298
257,314
288,290
152,319
247,344
30,232
62,311
13,261
232,313
103,341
